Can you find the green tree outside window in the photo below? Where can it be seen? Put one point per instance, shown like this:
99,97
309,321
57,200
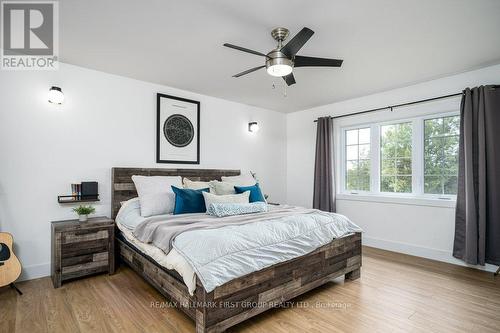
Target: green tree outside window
441,137
396,158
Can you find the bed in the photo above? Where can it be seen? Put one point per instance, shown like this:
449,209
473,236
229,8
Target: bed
243,297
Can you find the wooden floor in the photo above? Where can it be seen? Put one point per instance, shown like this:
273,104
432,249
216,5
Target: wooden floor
396,293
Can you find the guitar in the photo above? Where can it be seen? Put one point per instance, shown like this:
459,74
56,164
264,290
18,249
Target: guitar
10,267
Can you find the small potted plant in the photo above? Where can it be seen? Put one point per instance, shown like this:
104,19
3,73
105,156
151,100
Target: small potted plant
83,212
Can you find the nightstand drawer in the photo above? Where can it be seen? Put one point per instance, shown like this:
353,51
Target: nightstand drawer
84,264
84,235
70,250
84,259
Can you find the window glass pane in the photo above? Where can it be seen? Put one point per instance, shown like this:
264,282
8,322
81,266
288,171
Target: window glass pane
364,168
450,166
387,183
403,166
451,125
441,140
387,152
387,131
388,166
364,175
364,151
351,175
357,164
403,149
352,152
351,137
434,127
352,165
364,135
396,161
451,145
403,184
432,184
364,183
450,184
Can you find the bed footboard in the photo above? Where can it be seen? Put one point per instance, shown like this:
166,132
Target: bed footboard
245,297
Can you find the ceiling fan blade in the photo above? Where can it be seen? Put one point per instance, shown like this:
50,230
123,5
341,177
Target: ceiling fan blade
296,43
289,79
301,61
249,71
244,49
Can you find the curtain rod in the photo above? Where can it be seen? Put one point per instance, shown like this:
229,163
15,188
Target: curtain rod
396,106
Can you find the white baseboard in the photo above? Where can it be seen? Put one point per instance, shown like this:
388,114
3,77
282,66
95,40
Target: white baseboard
429,253
35,272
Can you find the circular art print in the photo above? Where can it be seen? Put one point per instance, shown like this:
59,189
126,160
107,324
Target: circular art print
178,130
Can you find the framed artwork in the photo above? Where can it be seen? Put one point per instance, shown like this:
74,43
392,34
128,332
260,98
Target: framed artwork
177,130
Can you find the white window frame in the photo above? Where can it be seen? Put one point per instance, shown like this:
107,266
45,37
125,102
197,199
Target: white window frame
417,196
422,162
344,153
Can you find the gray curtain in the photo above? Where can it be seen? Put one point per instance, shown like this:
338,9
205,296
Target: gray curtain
477,216
324,190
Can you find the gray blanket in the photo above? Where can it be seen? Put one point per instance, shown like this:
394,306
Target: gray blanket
161,231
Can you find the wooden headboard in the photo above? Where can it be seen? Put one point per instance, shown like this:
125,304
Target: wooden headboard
123,188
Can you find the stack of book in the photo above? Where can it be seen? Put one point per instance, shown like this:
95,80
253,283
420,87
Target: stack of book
76,191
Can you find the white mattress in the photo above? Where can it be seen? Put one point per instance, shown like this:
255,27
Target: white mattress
172,260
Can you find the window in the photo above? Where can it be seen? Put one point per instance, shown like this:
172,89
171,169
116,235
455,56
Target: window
441,137
395,149
357,152
416,156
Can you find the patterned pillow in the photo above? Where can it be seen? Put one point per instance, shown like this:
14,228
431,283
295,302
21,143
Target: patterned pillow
230,209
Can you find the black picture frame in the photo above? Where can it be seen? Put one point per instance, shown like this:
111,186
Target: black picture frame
159,96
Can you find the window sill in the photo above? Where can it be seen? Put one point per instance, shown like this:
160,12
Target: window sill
401,200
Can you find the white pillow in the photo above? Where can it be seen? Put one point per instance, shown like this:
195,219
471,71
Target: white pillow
228,198
155,193
196,185
129,214
222,188
241,180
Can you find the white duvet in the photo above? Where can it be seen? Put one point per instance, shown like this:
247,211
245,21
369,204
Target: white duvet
219,255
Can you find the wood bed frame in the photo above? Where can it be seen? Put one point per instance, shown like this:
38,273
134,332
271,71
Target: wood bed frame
244,297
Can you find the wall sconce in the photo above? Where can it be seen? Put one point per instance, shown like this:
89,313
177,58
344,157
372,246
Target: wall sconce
253,127
56,95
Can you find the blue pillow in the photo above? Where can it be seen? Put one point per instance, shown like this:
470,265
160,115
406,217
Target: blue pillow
189,201
255,192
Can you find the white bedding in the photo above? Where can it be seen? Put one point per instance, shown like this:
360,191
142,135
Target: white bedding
171,261
219,255
223,253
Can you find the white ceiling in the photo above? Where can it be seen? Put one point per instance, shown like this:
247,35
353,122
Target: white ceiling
384,43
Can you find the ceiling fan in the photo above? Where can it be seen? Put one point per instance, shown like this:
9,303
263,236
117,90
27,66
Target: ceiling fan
282,60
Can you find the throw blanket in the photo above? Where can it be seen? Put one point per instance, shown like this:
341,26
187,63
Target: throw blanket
222,249
161,231
228,209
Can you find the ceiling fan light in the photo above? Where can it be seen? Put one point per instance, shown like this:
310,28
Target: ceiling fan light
277,64
279,70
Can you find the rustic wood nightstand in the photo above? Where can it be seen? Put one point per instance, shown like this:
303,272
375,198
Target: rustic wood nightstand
82,248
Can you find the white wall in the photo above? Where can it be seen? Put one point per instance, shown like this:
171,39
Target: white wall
107,121
414,229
